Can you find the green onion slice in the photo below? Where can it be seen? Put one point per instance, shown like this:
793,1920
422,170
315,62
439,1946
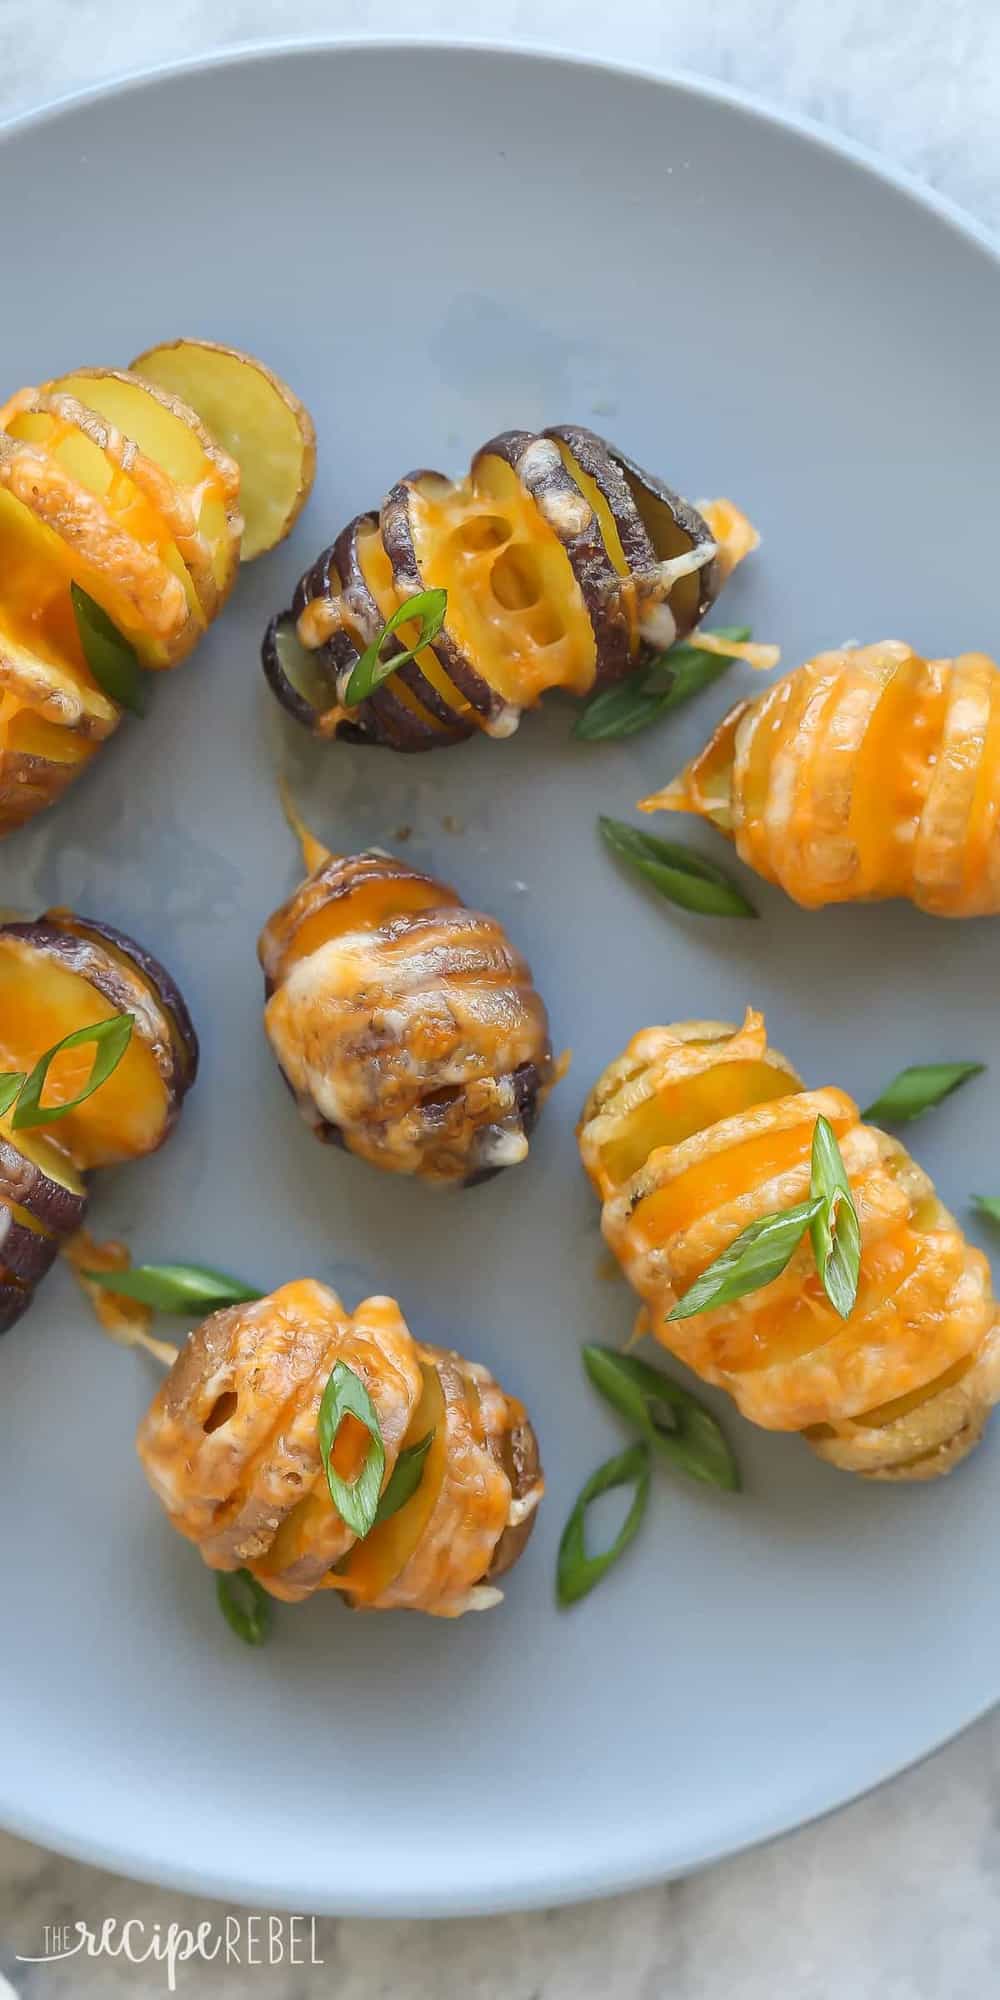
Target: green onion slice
111,1039
404,1479
918,1089
371,670
653,689
245,1605
176,1288
356,1501
577,1573
758,1254
835,1229
688,879
671,1419
113,662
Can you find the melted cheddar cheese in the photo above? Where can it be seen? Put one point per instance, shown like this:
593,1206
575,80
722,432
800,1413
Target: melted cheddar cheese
231,1448
407,1025
562,563
868,773
698,1131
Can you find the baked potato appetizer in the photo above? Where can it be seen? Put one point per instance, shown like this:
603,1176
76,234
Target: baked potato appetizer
564,565
406,1025
113,490
865,774
701,1129
232,1446
60,975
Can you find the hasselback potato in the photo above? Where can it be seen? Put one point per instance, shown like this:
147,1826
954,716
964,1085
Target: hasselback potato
699,1130
406,1025
564,563
57,976
112,485
231,1447
867,773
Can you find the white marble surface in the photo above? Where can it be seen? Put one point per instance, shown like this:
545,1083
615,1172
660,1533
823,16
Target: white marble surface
897,1898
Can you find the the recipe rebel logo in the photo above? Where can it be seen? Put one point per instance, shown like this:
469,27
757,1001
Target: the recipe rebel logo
249,1940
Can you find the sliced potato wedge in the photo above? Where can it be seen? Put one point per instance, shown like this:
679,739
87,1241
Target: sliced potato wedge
53,716
40,1180
256,418
195,483
110,542
38,762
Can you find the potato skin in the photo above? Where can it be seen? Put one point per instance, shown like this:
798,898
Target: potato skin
14,1302
154,976
230,1446
523,1465
600,462
691,526
21,1180
25,1254
415,1038
29,783
902,1388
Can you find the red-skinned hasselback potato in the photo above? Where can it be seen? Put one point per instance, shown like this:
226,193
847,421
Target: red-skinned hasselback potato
231,1446
406,1025
565,566
60,975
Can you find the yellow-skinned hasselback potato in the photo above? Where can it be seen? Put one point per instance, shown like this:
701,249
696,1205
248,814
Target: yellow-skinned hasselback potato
113,487
231,1447
565,566
406,1025
867,773
701,1129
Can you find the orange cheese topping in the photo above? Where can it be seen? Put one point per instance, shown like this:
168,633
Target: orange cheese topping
230,1446
404,1021
150,530
523,616
39,1006
124,1320
867,773
924,1316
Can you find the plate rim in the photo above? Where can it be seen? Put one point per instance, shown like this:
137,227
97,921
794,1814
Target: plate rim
581,1882
752,104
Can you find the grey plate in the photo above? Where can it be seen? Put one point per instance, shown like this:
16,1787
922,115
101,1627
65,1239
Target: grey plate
433,245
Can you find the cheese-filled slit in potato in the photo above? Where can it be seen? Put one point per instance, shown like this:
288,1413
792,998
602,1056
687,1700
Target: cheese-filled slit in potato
867,773
128,498
232,1447
60,976
565,566
698,1131
406,1025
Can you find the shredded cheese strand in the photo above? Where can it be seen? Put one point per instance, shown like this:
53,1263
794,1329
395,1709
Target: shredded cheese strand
314,854
763,658
125,1321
